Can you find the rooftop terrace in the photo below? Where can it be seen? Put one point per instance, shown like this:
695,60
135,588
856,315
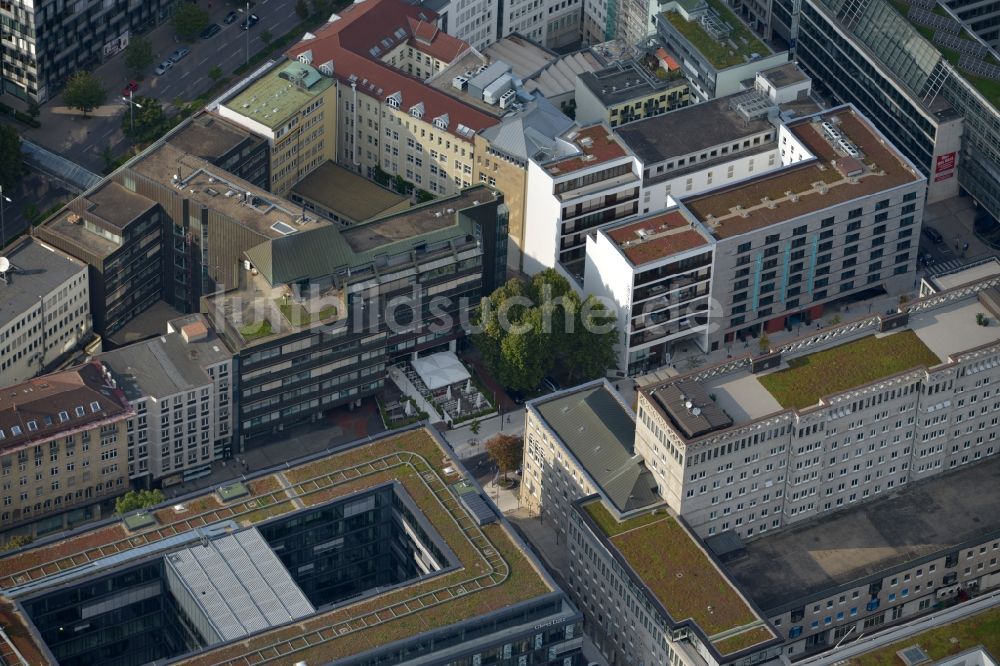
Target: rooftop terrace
348,194
656,237
680,575
924,519
273,98
830,179
740,45
492,571
596,144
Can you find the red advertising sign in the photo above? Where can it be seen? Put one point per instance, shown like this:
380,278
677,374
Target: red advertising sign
944,162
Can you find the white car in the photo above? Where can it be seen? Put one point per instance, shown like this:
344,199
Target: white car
163,67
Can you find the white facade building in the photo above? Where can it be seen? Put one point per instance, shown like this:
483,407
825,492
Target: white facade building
472,21
181,386
44,309
552,23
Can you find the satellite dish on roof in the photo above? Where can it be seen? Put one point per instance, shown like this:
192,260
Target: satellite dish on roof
4,264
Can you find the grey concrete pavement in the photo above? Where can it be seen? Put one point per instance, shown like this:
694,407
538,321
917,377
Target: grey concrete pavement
462,439
85,140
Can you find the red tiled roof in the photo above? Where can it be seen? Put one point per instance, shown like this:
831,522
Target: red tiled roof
30,411
347,43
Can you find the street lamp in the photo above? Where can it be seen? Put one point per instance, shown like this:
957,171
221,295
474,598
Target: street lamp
131,106
3,232
247,30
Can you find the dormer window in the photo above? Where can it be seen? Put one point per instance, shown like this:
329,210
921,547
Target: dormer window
79,411
441,122
395,100
306,57
417,110
95,407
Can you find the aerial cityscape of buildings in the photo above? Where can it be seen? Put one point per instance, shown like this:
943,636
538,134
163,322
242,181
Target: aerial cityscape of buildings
454,332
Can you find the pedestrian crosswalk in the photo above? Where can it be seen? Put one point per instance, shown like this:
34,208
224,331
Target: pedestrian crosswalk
946,266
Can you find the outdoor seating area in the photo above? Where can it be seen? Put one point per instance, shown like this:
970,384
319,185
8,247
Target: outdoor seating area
442,381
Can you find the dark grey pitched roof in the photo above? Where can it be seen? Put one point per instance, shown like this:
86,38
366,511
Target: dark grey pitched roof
599,431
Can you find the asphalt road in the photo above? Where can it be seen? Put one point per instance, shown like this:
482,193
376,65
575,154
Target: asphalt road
85,140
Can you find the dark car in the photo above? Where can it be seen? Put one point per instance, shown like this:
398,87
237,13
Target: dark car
230,18
250,22
933,235
516,396
211,31
130,89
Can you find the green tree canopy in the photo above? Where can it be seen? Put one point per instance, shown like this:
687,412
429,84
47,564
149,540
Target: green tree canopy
189,20
17,541
11,158
138,499
84,92
302,9
151,121
215,73
527,328
139,55
506,451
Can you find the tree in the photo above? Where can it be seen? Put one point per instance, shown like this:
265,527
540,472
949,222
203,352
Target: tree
17,541
266,36
506,451
151,121
11,158
322,8
302,9
764,343
475,426
139,55
215,73
34,110
189,20
138,499
84,92
525,328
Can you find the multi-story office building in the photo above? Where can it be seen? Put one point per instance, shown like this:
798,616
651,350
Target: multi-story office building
62,448
44,309
180,386
657,270
624,92
556,24
46,42
935,103
294,107
120,235
227,145
715,49
387,551
472,21
320,312
591,179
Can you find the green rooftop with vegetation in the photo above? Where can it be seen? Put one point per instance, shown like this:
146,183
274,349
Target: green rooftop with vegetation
813,376
943,641
273,99
491,573
989,88
682,576
740,45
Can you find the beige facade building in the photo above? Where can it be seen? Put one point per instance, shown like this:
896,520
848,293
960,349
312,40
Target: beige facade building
62,447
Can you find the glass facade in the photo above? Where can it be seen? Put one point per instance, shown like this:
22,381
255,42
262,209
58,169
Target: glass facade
879,34
124,619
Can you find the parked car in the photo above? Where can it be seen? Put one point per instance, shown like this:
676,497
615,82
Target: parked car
516,396
230,18
933,235
550,385
130,89
250,22
179,54
212,30
163,67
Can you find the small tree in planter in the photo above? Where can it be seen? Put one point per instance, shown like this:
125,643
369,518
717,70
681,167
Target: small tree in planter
982,319
764,343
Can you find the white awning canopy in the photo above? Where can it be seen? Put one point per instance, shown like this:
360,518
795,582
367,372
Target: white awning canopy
441,369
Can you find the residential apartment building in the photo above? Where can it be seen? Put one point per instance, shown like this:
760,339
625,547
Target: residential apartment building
120,235
44,309
397,112
715,50
293,106
62,448
657,270
320,312
353,549
937,109
46,42
624,92
590,178
181,387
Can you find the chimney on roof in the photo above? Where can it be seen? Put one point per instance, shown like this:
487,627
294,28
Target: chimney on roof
194,332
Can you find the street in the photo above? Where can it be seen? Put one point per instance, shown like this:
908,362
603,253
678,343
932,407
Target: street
85,140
